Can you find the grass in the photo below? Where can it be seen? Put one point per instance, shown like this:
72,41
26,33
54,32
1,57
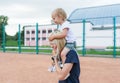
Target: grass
29,50
11,43
100,52
91,51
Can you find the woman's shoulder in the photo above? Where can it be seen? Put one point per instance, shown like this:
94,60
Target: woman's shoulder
72,53
72,57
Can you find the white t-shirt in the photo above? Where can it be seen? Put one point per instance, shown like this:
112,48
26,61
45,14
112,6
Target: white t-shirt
70,35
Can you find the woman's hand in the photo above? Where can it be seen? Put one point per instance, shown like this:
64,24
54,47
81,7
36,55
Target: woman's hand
65,71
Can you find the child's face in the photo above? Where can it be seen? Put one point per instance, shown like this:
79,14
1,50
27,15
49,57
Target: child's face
56,19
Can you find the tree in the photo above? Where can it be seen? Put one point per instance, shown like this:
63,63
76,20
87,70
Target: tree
3,20
22,36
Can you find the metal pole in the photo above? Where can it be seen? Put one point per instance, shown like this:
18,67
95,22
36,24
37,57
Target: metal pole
19,40
3,40
114,39
37,49
83,46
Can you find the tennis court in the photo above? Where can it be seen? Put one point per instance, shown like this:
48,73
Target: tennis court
32,68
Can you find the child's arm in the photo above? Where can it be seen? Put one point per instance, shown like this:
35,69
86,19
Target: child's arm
59,36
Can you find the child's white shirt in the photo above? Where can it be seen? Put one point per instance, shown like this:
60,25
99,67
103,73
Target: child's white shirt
70,38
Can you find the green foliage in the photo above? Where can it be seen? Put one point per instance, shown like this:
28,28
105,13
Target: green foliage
22,36
3,21
0,36
13,40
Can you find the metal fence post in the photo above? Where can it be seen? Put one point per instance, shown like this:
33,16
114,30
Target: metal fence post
37,49
83,46
3,37
114,38
19,40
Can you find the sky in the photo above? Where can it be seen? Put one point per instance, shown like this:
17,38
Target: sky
29,12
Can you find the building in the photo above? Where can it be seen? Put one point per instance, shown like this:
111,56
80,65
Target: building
105,25
43,32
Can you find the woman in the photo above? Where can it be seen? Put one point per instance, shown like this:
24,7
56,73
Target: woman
71,69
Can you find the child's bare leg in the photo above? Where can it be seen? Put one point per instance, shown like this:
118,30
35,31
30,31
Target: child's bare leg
64,53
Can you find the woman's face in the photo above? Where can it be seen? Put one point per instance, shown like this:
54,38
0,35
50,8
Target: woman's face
53,45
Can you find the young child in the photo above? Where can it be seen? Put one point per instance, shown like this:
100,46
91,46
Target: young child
59,17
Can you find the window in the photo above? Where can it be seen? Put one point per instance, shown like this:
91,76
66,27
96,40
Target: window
33,32
44,31
44,38
28,32
49,31
39,31
27,39
33,38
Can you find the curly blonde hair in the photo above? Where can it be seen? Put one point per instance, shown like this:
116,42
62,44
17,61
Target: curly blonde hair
60,12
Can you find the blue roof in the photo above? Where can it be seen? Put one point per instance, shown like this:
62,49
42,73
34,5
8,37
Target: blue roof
96,15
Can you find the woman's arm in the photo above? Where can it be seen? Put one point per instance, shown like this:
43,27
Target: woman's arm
62,73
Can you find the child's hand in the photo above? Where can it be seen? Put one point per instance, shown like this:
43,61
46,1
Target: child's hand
51,38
